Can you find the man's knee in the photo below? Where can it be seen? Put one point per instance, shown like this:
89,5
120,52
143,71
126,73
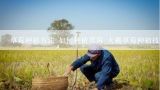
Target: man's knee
87,70
84,68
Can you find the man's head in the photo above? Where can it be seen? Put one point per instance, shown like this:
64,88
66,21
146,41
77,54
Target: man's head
94,51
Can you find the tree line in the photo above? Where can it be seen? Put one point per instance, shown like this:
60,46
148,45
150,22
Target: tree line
59,30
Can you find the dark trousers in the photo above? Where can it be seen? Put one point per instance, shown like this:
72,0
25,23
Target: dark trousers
93,75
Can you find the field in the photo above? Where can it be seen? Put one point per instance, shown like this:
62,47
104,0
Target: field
139,68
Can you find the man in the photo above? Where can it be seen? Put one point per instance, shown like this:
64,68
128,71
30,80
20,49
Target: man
103,67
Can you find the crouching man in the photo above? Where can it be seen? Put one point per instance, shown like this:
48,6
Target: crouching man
103,67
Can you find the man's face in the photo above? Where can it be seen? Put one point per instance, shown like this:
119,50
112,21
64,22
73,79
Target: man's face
95,57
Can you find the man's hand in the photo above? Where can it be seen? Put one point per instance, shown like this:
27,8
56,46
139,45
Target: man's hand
68,70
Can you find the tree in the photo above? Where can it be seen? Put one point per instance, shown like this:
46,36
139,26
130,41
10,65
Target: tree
60,32
6,40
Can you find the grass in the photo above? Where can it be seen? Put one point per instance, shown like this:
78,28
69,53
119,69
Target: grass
139,67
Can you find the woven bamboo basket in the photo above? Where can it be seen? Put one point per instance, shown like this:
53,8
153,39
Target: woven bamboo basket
50,83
